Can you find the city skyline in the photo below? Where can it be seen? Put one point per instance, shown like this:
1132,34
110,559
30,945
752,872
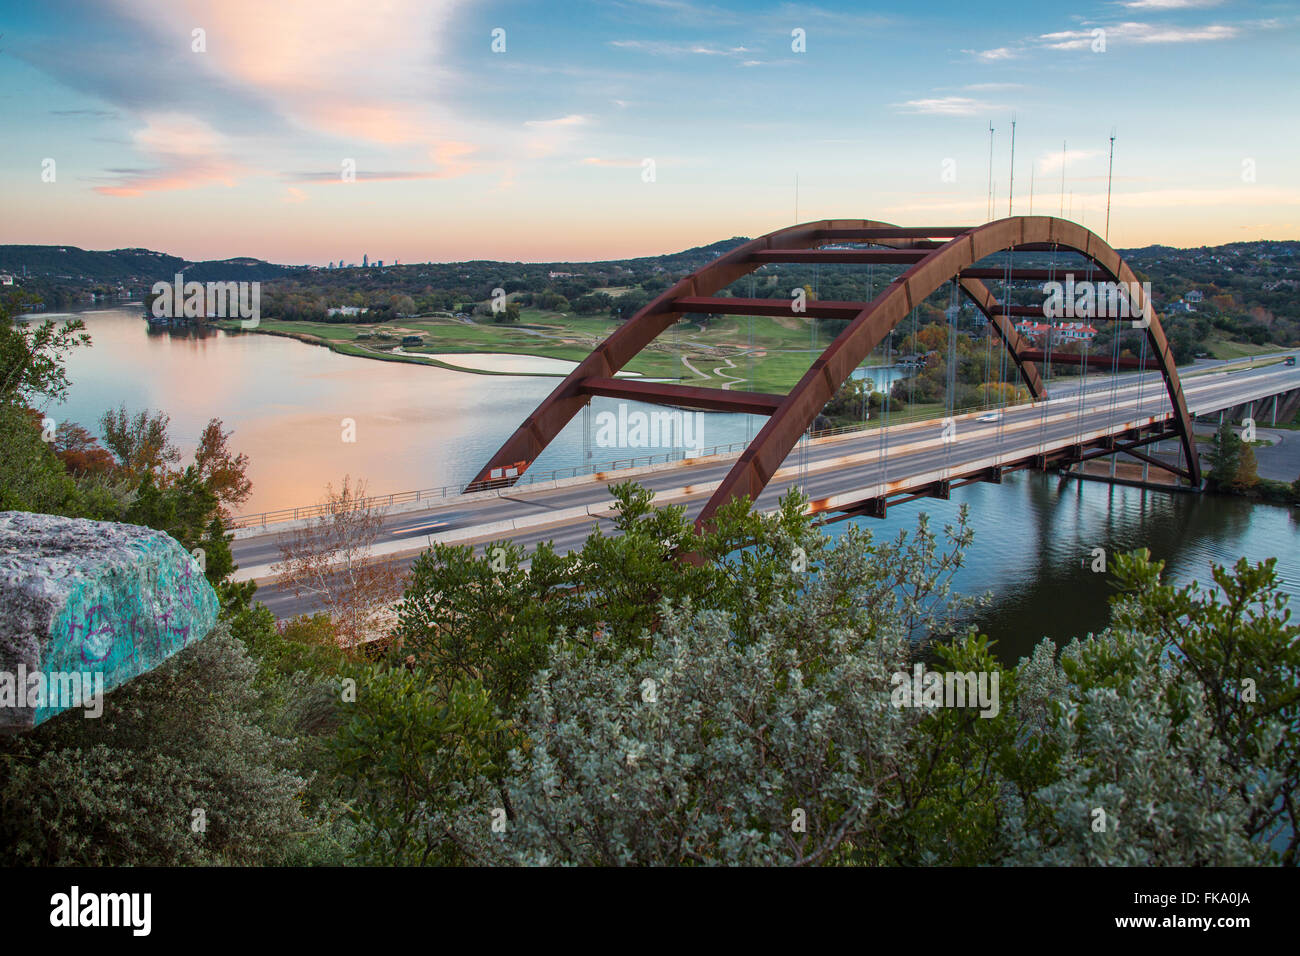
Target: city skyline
632,128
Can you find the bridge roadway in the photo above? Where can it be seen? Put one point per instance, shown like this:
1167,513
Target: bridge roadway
835,472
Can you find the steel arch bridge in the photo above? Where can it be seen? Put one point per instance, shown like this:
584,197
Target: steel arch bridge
933,256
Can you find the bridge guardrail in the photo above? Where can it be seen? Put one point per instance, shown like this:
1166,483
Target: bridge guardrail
621,464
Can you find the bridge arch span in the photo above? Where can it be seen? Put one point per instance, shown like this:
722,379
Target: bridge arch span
933,256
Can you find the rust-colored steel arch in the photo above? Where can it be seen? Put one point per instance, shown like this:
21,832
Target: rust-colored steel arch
930,263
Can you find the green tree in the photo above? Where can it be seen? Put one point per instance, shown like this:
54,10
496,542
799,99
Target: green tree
187,510
32,355
1225,456
32,478
1246,475
411,757
139,441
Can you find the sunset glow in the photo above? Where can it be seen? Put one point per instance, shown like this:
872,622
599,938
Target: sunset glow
537,151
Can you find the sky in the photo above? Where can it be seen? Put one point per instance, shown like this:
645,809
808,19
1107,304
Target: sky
309,131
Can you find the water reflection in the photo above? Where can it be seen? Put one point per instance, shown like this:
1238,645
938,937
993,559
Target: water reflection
416,426
1035,533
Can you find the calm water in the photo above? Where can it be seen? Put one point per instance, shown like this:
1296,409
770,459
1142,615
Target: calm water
420,427
416,426
1034,536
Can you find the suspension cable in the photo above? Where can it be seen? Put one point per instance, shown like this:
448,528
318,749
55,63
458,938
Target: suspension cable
1042,417
952,370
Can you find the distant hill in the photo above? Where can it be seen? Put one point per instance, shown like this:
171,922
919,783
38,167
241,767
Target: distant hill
130,266
144,266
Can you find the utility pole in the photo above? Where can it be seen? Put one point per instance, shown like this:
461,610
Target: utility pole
1110,171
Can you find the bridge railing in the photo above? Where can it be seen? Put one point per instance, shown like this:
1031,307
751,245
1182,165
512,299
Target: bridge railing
501,485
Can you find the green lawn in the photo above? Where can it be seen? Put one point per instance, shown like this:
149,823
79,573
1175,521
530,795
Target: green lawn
1223,349
762,354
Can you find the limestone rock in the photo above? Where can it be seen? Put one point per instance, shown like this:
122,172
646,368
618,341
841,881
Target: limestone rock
90,604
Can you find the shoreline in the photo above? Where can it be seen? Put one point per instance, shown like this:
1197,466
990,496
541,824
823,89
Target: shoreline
349,347
356,351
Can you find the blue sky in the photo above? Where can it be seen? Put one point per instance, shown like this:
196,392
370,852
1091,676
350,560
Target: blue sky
540,150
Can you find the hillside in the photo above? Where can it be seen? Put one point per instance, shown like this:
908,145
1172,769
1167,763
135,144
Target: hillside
128,266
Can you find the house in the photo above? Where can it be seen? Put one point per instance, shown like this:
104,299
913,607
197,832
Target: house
1062,332
345,310
6,279
1033,330
1075,332
1179,306
1196,295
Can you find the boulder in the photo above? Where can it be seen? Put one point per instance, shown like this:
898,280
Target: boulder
87,605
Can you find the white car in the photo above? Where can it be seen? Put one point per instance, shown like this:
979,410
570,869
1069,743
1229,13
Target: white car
990,417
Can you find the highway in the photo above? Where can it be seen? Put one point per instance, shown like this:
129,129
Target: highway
835,471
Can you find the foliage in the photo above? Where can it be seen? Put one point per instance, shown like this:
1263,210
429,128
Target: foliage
328,559
1225,456
1233,465
139,441
32,355
123,789
32,478
220,470
412,755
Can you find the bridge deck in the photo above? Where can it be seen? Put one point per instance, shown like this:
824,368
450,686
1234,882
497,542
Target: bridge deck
837,473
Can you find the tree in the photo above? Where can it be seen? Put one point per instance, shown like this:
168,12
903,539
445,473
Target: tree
32,478
628,304
411,757
329,561
223,473
187,510
80,451
139,441
741,710
1246,475
1225,456
1233,655
32,355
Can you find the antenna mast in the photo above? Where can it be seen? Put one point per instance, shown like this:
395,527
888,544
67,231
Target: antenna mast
988,213
1109,174
1011,185
1061,213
